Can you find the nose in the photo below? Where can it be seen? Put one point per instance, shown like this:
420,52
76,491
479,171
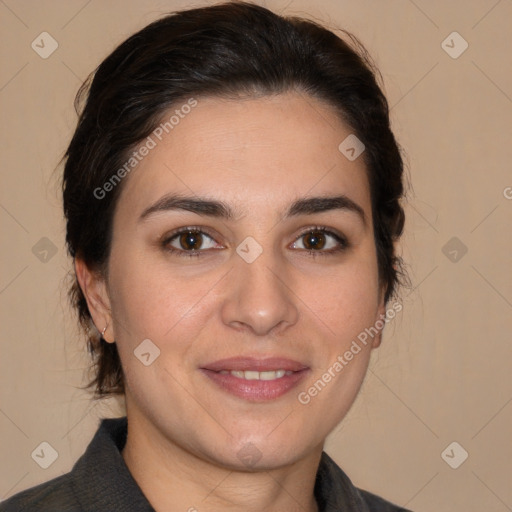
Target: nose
260,297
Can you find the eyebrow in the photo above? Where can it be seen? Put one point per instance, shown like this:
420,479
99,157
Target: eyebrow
219,209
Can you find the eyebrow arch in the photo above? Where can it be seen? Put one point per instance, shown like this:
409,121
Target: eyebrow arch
219,209
311,205
201,206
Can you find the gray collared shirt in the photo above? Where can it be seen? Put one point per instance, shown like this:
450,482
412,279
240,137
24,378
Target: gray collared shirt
100,481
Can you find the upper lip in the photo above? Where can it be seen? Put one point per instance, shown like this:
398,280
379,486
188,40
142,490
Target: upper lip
255,364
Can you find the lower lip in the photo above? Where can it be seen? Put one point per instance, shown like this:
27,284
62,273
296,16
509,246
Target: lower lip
256,390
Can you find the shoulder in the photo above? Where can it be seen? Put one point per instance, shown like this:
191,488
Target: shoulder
55,495
377,504
99,480
334,491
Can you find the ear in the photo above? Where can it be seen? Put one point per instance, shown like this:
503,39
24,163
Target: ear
94,288
381,315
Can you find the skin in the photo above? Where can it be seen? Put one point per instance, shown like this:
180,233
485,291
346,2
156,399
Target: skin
258,156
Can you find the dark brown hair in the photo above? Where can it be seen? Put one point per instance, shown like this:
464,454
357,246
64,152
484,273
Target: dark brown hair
233,49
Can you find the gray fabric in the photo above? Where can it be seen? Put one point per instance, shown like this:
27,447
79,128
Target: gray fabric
100,481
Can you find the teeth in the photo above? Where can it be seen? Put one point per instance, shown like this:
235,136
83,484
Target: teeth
272,375
252,375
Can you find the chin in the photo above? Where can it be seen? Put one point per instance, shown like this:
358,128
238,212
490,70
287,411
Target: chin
262,453
250,458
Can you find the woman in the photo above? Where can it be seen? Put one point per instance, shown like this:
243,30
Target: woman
232,195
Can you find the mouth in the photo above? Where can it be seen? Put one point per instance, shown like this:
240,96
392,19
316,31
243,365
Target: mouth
253,375
255,379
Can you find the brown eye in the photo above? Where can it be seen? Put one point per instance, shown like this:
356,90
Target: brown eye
321,241
314,240
191,240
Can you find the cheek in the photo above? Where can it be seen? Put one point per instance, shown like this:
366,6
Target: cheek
346,301
149,302
345,309
151,299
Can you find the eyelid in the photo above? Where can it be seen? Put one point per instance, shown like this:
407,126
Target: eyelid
323,229
168,236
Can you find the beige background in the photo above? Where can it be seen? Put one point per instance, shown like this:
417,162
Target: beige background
443,372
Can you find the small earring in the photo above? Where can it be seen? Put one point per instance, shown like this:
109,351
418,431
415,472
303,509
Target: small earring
103,332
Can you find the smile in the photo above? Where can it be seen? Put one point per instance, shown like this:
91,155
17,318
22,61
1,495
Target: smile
252,375
255,379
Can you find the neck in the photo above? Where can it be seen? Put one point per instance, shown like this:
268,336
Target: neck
173,478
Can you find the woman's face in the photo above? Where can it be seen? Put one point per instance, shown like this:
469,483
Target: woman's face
275,269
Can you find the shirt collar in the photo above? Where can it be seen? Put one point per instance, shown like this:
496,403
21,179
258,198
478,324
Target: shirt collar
100,478
334,492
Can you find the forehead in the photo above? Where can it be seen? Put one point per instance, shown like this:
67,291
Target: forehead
253,153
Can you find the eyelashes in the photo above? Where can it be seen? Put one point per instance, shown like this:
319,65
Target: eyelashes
191,239
320,240
196,241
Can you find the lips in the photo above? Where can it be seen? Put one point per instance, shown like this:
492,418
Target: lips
256,379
